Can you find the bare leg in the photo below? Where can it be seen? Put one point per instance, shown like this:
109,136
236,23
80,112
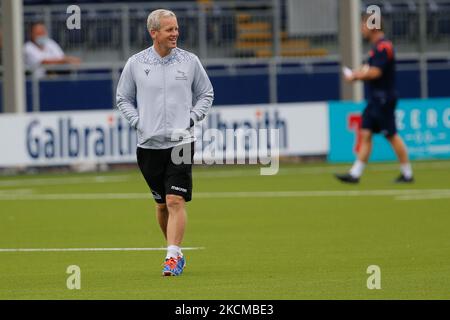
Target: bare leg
399,147
402,154
162,214
366,146
363,154
177,219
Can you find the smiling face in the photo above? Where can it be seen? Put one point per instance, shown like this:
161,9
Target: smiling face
165,39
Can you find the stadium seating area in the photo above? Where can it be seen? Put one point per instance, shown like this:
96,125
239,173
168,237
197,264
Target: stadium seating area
113,30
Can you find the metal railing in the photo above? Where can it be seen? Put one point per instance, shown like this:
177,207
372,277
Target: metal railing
232,33
110,71
402,22
237,29
118,30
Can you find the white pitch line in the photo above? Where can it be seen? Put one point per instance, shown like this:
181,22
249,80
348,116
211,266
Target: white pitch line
93,249
319,193
62,181
203,173
217,195
75,196
432,196
16,191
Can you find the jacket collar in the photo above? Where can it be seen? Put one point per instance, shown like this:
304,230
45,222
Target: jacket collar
157,56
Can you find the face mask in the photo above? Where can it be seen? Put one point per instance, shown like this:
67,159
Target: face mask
41,41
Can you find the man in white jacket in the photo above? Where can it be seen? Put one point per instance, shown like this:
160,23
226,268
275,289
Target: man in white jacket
163,92
41,50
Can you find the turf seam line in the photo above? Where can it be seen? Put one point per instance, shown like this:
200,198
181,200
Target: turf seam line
250,194
90,249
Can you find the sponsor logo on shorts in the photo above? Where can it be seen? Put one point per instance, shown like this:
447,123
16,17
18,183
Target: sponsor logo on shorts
156,195
178,189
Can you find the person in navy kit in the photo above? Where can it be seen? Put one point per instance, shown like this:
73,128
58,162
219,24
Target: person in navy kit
379,114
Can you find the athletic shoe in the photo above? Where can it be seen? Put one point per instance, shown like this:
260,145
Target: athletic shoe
174,266
181,262
346,177
402,179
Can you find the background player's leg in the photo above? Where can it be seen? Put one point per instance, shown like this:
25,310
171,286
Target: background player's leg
399,147
363,154
402,154
366,145
162,214
177,219
361,160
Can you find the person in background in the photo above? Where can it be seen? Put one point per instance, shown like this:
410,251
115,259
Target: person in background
379,115
41,50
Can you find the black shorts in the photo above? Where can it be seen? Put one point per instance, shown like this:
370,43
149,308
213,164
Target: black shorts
380,117
163,176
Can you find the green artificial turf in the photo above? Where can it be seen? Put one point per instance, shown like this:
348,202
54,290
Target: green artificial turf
256,240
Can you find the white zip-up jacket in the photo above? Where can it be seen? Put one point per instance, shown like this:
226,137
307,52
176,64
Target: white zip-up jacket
158,96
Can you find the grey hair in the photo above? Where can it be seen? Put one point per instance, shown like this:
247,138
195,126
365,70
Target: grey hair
154,18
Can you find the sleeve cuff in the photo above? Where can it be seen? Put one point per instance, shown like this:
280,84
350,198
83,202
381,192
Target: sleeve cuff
135,123
193,119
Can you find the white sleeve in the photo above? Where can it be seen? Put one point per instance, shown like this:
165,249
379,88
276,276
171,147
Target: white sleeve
202,93
126,95
56,50
33,56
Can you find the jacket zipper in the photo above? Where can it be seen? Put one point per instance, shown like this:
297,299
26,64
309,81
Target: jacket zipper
164,95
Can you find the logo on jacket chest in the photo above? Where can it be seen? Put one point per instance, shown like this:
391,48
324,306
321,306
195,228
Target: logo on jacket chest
181,75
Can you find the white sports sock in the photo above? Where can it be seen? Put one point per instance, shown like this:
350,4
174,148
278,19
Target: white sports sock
406,170
357,169
173,252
